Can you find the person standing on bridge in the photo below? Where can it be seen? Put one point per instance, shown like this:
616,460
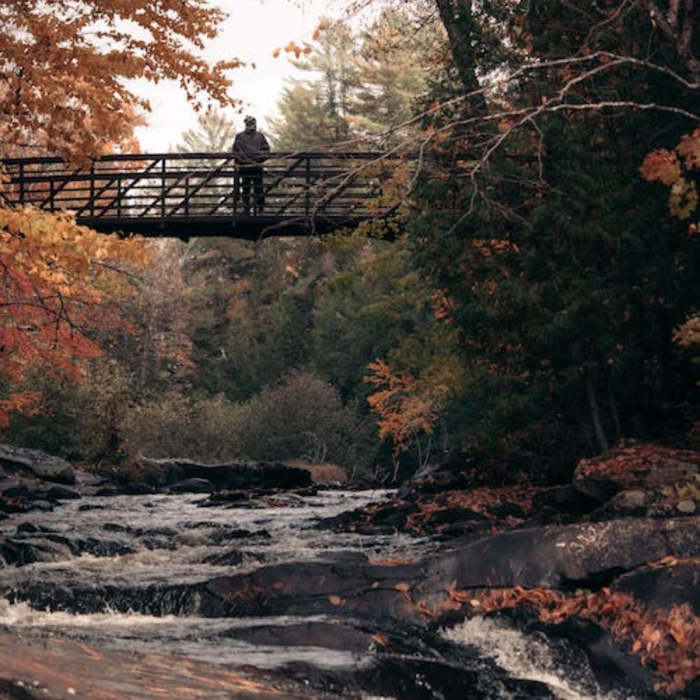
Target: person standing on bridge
250,149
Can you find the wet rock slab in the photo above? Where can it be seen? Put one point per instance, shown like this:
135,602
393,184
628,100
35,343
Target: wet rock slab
57,668
32,543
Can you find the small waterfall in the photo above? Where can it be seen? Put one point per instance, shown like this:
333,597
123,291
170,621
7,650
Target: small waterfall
532,657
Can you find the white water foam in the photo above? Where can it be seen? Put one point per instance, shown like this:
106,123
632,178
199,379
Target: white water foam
24,615
527,657
187,534
292,537
197,637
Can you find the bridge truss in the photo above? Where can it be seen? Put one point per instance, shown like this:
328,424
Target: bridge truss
197,194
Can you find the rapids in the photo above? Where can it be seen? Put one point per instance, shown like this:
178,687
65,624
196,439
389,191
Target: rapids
145,556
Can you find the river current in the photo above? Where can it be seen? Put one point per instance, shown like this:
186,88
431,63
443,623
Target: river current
159,541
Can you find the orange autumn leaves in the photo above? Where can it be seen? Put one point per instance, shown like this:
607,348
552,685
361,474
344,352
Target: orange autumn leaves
674,169
298,51
66,67
55,278
677,169
664,639
405,408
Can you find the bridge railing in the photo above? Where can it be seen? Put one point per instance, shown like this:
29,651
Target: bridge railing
198,186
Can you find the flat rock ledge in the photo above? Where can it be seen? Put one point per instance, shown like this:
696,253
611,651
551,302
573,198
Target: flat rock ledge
229,475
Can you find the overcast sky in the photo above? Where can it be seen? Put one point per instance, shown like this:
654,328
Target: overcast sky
251,33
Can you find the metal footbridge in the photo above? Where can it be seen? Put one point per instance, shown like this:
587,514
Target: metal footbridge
198,194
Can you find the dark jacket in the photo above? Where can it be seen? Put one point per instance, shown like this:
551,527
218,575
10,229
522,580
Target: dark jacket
250,148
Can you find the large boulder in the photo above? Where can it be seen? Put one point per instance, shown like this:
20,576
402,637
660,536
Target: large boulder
36,463
565,556
664,586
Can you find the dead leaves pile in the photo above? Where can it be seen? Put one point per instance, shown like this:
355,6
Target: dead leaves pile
480,500
631,463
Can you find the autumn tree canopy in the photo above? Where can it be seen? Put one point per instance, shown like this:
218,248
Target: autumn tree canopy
64,67
64,72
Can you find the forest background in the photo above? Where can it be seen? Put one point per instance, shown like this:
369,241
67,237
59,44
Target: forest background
538,302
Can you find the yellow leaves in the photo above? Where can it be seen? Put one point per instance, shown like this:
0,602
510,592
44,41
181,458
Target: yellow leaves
675,170
689,150
688,334
683,199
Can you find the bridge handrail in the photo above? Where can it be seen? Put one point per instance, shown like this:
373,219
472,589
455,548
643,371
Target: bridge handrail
208,155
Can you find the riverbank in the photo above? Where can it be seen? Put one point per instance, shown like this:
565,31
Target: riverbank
402,594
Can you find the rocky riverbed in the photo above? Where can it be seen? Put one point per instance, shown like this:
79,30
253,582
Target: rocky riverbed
249,580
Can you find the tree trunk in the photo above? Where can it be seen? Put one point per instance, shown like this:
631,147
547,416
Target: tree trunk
456,17
614,413
595,413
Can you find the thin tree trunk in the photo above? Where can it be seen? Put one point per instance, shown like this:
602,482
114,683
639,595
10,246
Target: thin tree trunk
595,413
614,413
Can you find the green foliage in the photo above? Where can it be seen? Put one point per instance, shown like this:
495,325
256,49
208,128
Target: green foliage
53,427
565,274
302,417
363,86
176,426
214,133
79,421
155,349
251,312
362,311
312,112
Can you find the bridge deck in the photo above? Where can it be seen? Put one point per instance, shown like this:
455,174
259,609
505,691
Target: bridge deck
198,194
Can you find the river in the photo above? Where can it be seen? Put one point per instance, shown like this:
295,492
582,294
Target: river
117,573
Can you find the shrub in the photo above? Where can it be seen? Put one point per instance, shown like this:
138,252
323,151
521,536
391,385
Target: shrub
79,421
301,417
177,426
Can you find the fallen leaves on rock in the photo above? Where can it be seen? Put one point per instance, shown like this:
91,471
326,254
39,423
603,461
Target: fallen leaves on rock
640,462
666,640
